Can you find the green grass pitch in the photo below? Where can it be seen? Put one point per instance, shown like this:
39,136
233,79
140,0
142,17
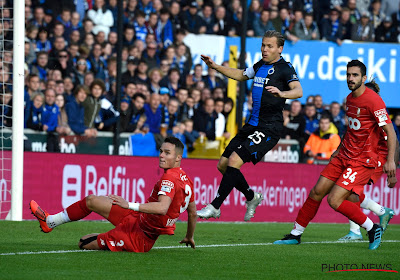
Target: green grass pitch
251,255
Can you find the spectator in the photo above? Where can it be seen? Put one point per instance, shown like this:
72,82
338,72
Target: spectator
79,71
39,67
310,115
129,75
38,17
376,12
64,64
165,28
62,122
59,31
153,113
294,124
137,113
101,17
197,73
170,56
262,24
147,7
139,25
92,103
386,32
33,84
130,10
152,30
87,27
282,24
338,118
151,56
208,18
182,95
88,79
88,41
76,112
154,80
97,62
141,73
59,88
204,120
172,81
332,28
323,142
355,14
212,81
68,89
347,26
319,105
176,19
36,113
192,22
190,134
164,67
363,30
50,120
307,28
164,96
190,105
43,43
183,64
169,116
59,45
179,37
220,121
222,26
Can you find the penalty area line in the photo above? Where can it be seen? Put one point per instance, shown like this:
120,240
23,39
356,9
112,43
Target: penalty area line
182,246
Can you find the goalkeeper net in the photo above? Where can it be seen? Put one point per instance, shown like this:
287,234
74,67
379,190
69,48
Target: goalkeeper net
12,31
5,110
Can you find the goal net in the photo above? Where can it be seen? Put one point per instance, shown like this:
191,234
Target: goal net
12,31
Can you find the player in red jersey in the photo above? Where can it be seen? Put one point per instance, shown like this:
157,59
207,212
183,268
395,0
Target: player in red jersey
355,160
137,226
385,214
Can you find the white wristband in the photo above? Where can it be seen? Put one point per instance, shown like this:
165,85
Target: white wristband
133,206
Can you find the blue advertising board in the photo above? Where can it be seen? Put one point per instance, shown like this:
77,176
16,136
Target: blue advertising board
321,66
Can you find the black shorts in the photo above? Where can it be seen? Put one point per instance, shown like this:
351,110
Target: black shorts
253,142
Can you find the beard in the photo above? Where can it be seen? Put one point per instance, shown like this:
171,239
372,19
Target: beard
354,86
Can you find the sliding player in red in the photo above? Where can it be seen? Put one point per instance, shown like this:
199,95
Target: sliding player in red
137,226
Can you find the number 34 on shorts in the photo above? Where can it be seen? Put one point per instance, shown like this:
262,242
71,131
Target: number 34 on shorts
349,176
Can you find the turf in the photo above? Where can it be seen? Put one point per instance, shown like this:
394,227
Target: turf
262,261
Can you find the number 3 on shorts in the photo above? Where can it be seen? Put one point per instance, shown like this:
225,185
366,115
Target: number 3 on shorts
350,175
188,191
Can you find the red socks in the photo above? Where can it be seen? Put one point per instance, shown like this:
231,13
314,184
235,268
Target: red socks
307,212
352,211
78,210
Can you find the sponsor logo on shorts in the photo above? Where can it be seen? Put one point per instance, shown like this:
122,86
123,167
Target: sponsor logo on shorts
380,112
345,183
102,242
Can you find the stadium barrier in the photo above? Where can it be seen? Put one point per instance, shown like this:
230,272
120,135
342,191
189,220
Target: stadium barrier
58,180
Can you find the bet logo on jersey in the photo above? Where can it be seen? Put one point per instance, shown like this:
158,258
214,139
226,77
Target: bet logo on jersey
354,123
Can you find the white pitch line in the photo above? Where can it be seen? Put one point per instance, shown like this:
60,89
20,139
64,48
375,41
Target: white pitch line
182,246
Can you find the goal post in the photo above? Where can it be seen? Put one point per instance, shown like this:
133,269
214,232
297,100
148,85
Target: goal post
18,110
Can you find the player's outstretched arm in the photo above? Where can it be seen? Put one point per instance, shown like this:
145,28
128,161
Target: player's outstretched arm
390,167
236,74
192,218
296,91
159,208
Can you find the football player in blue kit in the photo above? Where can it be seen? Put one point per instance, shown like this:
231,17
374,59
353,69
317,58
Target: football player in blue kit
274,81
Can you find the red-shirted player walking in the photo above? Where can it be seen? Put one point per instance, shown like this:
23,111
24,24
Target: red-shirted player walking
137,226
355,160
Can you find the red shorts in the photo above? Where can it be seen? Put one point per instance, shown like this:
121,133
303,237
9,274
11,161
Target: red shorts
127,235
348,174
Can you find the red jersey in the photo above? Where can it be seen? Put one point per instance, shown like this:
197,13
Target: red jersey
366,114
177,185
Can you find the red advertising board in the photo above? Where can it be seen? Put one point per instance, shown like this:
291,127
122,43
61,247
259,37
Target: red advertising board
57,180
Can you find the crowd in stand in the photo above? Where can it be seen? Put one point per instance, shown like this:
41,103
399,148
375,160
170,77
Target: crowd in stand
71,66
